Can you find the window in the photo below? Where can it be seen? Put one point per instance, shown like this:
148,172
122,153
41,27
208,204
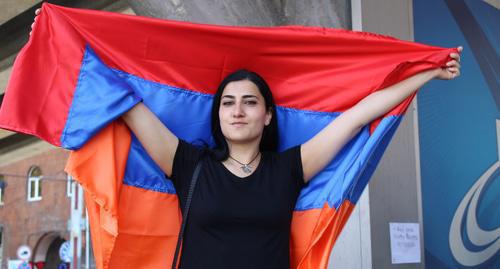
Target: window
2,189
35,184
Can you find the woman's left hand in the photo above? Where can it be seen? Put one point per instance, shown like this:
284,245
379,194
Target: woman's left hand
453,67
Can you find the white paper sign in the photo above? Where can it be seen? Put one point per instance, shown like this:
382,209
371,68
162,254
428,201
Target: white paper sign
405,242
14,264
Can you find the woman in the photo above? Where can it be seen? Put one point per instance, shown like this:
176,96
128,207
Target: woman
241,211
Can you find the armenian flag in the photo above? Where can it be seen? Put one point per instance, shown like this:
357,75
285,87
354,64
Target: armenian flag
82,69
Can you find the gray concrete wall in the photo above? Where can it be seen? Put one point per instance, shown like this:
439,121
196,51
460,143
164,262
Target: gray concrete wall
395,194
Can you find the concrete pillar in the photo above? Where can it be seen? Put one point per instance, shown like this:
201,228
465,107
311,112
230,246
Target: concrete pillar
395,194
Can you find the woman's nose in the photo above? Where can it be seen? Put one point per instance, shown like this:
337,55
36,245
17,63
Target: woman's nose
238,111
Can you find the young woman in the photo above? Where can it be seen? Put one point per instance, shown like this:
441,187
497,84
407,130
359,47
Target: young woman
241,211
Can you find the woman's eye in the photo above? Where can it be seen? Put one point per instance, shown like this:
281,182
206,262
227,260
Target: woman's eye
227,103
251,102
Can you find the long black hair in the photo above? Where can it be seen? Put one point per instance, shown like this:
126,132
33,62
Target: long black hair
269,141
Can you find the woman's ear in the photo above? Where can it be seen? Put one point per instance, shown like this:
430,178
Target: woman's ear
269,116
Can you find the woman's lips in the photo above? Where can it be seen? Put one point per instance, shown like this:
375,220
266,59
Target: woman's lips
238,124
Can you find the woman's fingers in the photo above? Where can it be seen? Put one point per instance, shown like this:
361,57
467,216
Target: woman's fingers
453,63
37,11
452,69
453,72
32,25
455,56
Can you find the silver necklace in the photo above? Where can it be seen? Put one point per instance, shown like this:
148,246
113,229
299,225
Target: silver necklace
245,167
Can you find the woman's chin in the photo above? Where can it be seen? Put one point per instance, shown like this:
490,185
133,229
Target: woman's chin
241,139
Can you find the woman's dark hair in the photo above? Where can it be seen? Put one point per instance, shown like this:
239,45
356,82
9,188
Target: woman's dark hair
269,141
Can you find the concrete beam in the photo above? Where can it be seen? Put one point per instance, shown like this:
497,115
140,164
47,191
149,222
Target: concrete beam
26,151
12,8
326,13
5,133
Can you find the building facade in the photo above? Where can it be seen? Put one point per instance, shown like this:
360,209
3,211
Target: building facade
35,207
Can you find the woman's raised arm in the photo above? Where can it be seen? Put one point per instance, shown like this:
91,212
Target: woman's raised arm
324,146
154,136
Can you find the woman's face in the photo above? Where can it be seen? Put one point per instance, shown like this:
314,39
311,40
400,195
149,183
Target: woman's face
242,112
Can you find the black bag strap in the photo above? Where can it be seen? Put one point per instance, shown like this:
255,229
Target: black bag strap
196,173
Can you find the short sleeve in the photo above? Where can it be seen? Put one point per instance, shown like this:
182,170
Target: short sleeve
185,159
293,160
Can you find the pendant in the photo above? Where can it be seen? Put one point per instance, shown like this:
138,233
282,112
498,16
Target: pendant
246,168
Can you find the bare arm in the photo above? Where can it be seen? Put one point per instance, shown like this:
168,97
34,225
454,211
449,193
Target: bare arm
154,136
324,146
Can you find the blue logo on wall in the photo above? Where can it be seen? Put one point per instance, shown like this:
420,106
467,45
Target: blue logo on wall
469,243
459,134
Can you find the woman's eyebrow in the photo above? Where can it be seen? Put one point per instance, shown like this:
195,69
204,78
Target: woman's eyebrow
243,97
249,96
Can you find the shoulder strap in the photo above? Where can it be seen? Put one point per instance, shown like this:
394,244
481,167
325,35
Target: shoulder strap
196,173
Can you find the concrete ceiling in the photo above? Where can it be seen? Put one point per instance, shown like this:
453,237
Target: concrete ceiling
5,133
11,8
4,78
24,152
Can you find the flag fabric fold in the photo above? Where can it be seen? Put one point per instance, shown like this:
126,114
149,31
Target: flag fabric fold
82,69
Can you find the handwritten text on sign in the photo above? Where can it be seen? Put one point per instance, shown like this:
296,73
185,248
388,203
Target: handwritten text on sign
405,242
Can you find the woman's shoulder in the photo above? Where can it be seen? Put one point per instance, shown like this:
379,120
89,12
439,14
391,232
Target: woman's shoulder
287,155
287,161
189,151
284,152
195,145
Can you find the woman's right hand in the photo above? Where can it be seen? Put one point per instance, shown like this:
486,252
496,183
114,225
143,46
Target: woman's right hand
37,11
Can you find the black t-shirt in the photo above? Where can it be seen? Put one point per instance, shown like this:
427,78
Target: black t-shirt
238,222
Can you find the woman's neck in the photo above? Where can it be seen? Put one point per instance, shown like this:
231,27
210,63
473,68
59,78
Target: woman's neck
243,152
